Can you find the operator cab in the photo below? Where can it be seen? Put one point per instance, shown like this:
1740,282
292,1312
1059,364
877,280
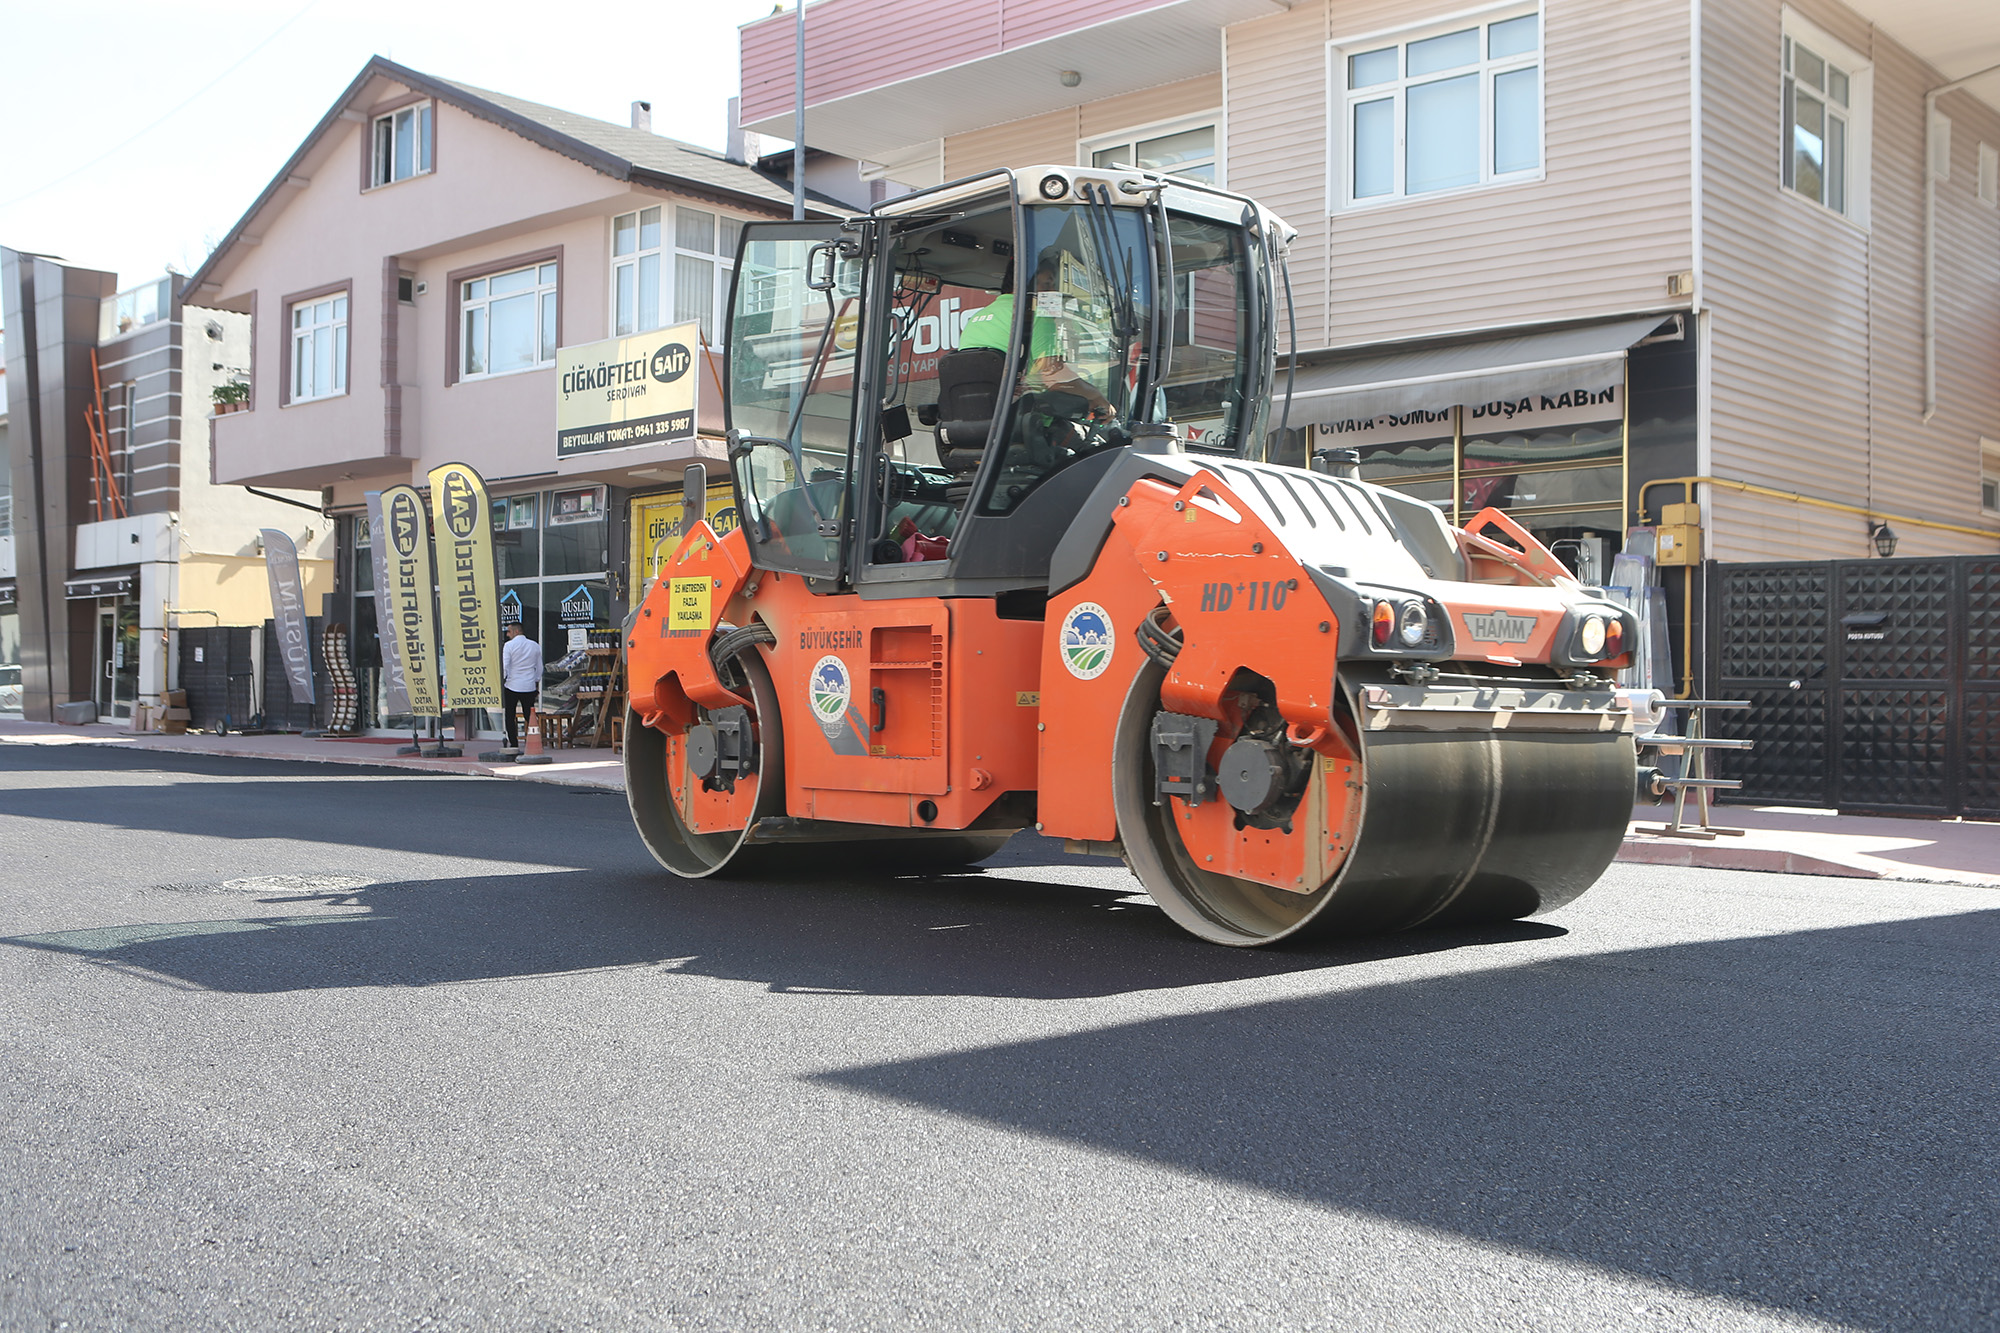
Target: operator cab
927,395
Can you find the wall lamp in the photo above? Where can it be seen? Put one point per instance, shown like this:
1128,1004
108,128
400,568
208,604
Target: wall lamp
1884,538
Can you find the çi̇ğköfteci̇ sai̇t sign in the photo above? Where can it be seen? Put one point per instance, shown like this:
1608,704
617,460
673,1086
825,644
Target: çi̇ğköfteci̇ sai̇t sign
466,604
625,392
406,529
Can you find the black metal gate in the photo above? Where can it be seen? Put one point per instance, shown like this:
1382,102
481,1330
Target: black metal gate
281,712
217,673
1875,684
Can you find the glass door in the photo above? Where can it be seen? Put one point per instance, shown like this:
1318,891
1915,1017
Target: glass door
794,333
117,659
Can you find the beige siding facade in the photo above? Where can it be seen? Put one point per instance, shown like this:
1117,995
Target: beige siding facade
1054,137
1816,322
1597,235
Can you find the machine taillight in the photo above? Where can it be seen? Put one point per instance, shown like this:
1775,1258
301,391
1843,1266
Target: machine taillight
1385,623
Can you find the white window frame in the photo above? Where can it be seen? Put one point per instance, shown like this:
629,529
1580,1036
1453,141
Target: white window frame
725,228
548,314
1341,101
1988,185
1860,115
305,343
1989,476
423,115
1087,149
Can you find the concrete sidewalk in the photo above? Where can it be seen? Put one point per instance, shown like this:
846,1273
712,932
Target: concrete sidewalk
573,768
1782,839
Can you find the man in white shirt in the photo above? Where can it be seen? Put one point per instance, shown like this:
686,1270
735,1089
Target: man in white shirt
520,677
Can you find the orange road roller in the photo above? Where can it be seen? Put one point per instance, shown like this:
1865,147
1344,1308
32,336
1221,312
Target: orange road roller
1007,554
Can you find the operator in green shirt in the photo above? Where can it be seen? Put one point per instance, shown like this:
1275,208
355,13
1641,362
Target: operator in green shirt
1046,370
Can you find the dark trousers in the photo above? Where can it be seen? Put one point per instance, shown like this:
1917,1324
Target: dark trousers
510,699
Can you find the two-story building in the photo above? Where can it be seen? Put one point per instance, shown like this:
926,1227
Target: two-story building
409,275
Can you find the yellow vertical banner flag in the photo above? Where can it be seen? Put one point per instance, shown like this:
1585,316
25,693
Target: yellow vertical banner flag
467,604
407,529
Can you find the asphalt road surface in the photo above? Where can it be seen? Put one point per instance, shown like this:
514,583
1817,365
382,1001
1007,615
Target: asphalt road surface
296,1046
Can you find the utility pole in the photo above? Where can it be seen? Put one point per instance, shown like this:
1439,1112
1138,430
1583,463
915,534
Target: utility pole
799,121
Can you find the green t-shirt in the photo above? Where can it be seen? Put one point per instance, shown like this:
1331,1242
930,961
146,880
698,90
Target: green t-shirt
994,327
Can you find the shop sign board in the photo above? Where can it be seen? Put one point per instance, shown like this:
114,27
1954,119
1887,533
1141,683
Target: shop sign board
406,530
657,521
466,597
398,699
288,612
622,393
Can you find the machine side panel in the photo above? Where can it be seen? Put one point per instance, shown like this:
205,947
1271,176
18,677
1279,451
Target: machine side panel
996,674
1088,659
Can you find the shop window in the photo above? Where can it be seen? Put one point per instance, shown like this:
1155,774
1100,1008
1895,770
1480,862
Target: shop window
1183,149
1826,95
507,322
1439,109
671,265
402,145
319,348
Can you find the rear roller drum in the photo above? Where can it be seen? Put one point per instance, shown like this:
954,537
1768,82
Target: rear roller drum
1430,828
652,786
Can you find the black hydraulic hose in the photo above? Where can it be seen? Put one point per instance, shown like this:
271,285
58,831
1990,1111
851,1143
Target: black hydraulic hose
1156,640
730,643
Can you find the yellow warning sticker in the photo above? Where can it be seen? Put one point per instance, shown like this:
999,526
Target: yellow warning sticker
687,608
1027,698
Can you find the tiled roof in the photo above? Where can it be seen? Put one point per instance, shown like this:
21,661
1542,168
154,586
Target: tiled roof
649,153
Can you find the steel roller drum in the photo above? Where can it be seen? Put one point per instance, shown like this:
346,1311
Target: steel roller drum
1473,823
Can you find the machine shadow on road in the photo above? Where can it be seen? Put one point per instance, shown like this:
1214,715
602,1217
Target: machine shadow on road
969,934
1804,1122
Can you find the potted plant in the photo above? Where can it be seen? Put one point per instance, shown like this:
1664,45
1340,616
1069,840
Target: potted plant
230,396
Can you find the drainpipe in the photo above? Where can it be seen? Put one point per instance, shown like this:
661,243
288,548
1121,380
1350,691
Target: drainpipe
1930,234
799,120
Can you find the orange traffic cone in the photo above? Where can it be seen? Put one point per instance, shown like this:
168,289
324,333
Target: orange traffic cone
533,753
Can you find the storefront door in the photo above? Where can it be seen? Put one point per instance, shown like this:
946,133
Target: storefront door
117,658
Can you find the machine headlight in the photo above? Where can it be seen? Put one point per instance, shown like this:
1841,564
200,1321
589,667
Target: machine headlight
1591,637
1054,186
1415,624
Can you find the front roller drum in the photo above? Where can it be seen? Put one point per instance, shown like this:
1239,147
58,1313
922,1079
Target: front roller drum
1453,827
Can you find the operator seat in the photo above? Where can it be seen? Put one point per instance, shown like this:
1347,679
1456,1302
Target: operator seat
969,393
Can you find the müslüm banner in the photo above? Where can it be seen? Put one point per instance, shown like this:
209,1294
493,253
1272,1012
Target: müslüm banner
407,530
288,612
466,588
385,610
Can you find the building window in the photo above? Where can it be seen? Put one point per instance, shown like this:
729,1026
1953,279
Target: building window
319,348
402,144
635,268
508,321
1989,476
1825,131
671,266
1989,175
1440,110
1175,150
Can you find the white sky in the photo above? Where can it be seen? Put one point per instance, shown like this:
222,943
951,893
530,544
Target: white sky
81,80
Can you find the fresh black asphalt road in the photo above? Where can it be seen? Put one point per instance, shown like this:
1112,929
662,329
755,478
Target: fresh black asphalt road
306,1047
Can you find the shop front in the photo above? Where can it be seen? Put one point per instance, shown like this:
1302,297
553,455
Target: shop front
1542,425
